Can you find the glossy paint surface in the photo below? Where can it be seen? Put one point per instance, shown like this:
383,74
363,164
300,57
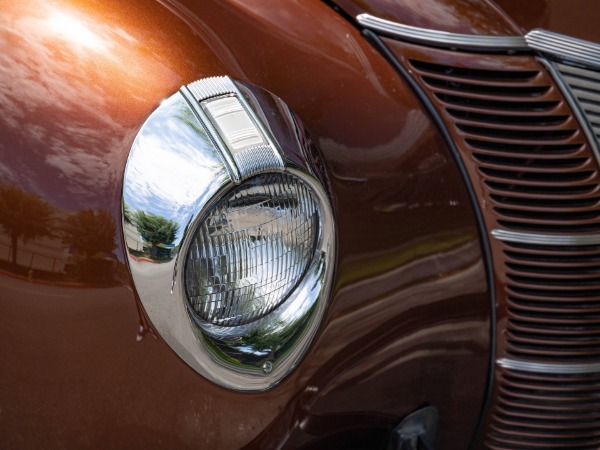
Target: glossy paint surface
453,16
81,366
577,18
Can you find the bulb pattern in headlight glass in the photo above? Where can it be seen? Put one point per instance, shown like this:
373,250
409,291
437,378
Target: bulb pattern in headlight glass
252,249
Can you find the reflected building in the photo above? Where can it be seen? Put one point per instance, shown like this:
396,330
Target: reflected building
43,254
133,238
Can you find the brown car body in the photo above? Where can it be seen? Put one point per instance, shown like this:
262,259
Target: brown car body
411,320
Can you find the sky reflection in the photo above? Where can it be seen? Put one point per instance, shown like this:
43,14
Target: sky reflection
173,165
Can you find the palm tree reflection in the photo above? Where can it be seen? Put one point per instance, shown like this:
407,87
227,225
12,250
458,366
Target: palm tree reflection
24,216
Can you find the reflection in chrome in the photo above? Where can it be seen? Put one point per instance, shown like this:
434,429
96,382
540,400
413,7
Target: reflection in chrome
570,88
524,366
546,239
216,138
442,38
579,85
237,130
565,47
180,201
251,250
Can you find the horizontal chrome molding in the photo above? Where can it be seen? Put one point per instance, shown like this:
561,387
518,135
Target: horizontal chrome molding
442,38
524,366
546,239
569,48
548,42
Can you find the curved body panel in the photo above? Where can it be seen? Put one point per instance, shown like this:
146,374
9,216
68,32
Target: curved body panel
453,16
578,18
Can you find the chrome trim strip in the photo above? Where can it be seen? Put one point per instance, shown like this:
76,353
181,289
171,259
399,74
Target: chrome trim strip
546,239
571,49
241,164
576,107
255,159
264,130
524,366
442,38
579,72
212,133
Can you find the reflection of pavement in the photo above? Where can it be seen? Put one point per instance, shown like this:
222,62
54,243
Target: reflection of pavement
156,276
167,312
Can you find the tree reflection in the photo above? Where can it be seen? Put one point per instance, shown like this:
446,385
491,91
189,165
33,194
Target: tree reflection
127,214
92,233
24,216
155,230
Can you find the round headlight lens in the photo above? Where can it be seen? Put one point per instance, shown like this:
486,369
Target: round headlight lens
252,249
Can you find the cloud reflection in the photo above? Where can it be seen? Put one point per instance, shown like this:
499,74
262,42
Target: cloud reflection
173,165
73,88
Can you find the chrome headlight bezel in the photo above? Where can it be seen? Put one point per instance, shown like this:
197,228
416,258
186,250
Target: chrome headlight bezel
257,355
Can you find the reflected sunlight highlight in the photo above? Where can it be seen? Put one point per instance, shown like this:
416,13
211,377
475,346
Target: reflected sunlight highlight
74,31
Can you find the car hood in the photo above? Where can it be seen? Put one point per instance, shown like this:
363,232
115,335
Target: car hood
485,17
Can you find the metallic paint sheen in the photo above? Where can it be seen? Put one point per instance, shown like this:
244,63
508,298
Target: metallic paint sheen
454,16
577,18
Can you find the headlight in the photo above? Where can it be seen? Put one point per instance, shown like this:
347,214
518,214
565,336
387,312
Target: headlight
240,287
251,250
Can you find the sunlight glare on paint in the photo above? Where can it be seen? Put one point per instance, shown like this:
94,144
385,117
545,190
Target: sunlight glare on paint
74,31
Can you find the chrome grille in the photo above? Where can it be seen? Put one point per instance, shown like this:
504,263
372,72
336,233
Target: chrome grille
584,85
542,411
527,146
553,299
538,185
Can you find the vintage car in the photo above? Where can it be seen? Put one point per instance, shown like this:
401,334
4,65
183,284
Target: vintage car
300,224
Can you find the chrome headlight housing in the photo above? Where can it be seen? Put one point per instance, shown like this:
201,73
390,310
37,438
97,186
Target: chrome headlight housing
229,232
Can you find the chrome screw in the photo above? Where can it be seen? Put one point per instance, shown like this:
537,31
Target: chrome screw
267,367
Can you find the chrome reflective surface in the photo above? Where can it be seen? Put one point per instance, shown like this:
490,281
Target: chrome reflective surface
441,38
215,137
565,47
549,368
251,249
246,144
547,239
582,108
175,174
579,85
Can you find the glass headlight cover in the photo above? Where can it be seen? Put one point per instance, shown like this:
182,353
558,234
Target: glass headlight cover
230,244
251,249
